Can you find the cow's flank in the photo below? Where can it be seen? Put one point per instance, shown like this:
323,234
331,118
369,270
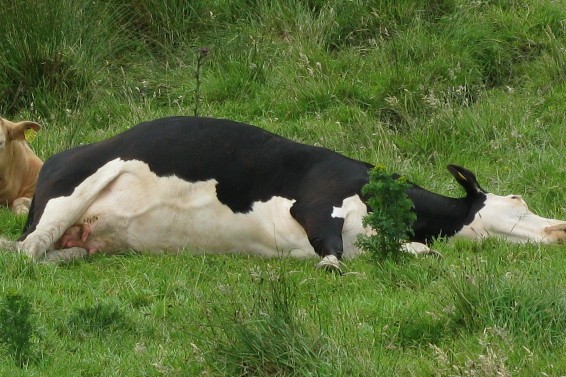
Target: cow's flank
211,185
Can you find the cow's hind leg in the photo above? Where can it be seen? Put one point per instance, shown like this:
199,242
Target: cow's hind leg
63,212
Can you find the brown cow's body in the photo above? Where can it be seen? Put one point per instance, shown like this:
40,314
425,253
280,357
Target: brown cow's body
19,166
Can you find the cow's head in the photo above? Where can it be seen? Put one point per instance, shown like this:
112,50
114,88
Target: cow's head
507,217
10,131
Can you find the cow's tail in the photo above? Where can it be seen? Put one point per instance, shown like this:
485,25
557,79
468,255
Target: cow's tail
29,219
8,245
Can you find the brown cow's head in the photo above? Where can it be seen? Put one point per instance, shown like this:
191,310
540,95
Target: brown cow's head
10,131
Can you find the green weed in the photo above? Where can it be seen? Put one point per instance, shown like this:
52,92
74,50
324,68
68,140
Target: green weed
391,215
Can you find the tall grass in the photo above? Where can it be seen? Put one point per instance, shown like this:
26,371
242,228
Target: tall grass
267,337
401,63
53,55
524,306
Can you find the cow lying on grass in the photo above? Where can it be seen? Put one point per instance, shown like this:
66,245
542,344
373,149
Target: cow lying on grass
19,166
222,187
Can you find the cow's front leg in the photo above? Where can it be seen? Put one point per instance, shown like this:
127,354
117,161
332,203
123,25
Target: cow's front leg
330,249
324,233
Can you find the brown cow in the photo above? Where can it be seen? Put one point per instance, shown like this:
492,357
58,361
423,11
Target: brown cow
19,166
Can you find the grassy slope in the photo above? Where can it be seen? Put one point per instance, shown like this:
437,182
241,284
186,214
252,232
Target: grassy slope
407,84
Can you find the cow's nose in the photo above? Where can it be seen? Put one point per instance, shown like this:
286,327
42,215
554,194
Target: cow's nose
556,233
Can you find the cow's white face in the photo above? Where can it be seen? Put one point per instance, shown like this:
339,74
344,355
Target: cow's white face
508,217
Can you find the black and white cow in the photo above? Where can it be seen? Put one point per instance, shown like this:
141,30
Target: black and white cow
220,186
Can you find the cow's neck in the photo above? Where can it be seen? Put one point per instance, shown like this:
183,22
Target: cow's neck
440,216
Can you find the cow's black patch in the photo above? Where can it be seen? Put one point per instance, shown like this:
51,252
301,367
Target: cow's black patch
438,215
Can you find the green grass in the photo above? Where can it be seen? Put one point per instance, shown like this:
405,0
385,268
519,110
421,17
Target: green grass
413,85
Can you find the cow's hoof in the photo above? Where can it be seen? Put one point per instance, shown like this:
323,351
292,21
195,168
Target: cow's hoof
330,263
20,210
65,255
417,248
35,247
21,206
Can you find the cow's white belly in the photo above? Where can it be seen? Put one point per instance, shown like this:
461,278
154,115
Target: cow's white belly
146,212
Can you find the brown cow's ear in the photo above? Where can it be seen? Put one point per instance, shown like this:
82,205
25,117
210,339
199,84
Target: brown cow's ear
17,131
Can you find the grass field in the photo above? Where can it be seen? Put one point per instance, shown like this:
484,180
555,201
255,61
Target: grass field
413,85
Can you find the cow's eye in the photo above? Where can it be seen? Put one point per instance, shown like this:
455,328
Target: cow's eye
516,197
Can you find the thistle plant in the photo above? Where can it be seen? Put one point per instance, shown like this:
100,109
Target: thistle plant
203,53
390,216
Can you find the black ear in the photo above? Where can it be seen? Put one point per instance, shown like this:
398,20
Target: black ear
466,179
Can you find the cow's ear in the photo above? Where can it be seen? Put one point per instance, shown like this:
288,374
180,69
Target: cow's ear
18,130
466,179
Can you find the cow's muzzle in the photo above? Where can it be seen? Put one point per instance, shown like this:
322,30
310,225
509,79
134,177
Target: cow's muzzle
556,233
